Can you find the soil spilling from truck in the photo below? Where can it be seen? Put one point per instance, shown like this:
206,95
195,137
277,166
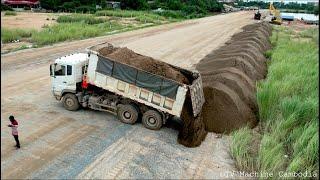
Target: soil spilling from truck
193,130
129,57
229,75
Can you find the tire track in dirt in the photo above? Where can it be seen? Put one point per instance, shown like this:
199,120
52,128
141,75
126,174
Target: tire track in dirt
27,141
114,149
68,47
162,147
21,168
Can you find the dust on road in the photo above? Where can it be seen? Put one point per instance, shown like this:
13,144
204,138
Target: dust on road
25,92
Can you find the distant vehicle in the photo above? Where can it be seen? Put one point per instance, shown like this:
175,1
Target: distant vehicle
257,15
100,83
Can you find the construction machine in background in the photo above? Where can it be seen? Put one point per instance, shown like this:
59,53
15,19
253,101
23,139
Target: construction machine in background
275,15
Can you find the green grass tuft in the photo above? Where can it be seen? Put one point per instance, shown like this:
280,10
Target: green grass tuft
10,13
242,149
288,108
9,35
141,16
72,31
87,19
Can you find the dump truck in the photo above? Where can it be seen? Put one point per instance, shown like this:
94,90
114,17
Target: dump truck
93,81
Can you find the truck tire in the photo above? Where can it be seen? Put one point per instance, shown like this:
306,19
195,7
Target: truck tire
152,120
70,102
127,113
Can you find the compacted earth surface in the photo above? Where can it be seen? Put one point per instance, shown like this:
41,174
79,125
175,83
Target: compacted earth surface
56,143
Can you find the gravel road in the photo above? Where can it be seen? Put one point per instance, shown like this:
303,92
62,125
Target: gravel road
57,143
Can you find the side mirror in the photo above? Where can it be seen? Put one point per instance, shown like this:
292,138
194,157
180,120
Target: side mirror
52,70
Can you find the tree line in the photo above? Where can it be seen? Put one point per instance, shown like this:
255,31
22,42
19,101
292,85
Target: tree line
309,7
187,6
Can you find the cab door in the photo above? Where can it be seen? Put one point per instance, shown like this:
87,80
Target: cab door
63,79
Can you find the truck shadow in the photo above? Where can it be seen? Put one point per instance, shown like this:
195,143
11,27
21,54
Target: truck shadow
174,123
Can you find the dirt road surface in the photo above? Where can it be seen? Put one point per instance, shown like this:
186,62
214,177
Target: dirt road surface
57,143
29,20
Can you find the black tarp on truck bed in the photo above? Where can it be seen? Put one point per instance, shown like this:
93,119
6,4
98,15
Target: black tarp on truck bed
140,78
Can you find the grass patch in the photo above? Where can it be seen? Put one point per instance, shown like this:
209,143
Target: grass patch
10,13
141,16
9,35
242,149
288,107
122,13
72,31
87,19
81,26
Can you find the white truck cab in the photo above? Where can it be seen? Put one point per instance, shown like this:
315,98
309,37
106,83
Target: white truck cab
66,72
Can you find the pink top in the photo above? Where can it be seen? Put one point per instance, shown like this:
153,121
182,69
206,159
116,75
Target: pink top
14,128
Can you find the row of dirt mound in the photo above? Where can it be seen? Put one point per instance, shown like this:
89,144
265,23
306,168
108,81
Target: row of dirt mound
129,57
229,75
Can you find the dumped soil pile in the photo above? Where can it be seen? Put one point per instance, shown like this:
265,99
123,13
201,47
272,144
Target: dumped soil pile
229,75
193,130
225,109
127,56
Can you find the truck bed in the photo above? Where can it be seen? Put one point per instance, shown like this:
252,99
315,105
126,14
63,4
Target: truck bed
145,63
128,77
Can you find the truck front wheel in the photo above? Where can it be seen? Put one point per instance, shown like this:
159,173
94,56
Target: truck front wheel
127,113
70,102
152,120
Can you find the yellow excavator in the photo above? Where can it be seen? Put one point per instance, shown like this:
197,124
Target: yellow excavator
275,15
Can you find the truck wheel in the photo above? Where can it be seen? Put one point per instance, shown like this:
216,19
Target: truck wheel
70,102
127,113
152,120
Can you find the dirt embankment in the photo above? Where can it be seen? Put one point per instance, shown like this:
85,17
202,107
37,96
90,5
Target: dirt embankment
127,56
229,75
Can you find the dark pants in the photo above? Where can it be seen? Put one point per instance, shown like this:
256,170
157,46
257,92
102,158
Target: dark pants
16,137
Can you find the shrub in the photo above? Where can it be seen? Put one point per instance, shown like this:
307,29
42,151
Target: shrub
10,13
85,9
70,6
134,4
5,8
172,14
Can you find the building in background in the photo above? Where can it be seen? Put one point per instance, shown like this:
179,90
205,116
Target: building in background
113,4
21,3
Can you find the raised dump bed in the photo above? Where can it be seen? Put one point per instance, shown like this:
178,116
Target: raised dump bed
127,84
154,83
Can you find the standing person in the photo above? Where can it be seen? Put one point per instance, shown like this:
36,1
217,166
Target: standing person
14,127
